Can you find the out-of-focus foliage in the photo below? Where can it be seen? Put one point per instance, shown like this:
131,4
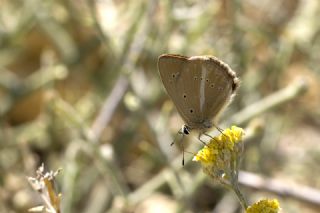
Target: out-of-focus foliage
80,90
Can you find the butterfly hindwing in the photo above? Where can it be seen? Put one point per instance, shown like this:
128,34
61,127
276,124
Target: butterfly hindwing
219,87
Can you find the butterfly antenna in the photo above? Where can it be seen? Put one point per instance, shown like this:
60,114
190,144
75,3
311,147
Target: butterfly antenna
182,147
185,130
175,138
185,151
182,154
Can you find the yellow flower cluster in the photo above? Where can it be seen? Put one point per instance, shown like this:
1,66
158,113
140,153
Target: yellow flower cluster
264,206
226,141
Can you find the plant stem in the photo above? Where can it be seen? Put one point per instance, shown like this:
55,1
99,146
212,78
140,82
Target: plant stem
235,188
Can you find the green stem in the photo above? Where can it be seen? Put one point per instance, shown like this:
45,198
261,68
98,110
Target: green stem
233,185
240,196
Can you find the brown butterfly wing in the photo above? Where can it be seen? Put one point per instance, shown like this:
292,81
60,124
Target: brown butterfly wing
181,80
220,86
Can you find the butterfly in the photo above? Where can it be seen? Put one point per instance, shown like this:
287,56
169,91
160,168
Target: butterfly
200,88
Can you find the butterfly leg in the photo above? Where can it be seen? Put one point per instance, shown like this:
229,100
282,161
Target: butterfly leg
199,137
219,129
206,134
212,138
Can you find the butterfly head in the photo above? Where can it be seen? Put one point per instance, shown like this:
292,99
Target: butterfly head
185,130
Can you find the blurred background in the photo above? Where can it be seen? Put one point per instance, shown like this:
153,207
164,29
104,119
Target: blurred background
80,90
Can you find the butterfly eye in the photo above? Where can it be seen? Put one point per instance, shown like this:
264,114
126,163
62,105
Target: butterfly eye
207,80
211,85
234,86
184,96
195,78
191,110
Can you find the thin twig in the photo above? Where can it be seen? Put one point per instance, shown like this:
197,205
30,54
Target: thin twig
282,188
109,106
65,110
278,98
133,47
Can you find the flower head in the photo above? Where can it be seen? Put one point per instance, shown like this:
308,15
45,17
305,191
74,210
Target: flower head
264,206
220,158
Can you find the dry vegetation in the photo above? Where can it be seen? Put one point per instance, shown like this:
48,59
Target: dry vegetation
80,90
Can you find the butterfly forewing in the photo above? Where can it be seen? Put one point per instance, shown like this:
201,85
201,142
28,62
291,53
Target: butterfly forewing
176,77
